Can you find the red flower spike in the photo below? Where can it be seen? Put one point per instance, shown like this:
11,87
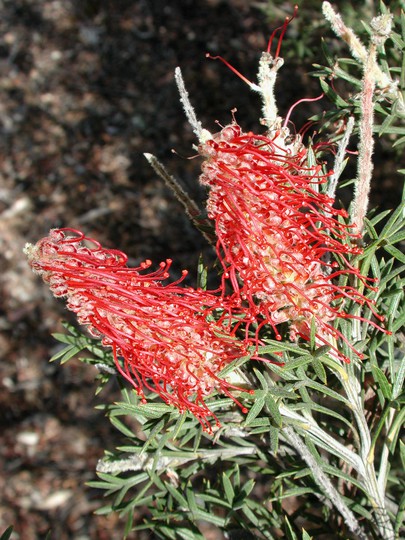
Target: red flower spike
161,332
274,228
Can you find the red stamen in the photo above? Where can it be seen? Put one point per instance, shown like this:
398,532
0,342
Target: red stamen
274,229
283,29
164,337
304,100
238,73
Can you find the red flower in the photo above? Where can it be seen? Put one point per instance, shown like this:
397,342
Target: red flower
274,228
164,337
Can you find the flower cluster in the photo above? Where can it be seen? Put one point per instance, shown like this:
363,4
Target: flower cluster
275,229
164,336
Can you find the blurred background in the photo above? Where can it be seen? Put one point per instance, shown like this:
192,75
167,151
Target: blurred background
86,87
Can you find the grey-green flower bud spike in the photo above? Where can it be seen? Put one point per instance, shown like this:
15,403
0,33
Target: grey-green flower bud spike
202,134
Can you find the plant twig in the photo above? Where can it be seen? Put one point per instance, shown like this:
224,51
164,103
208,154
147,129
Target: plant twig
360,52
374,490
340,158
321,438
191,208
366,145
326,486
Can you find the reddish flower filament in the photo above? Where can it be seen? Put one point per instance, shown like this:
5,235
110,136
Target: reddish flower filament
274,227
164,337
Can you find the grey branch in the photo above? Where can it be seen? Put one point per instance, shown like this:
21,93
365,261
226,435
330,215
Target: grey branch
340,158
191,208
328,489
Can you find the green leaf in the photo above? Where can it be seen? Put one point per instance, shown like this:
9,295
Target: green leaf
273,410
327,411
372,233
274,346
104,510
120,426
66,354
148,410
320,352
290,534
399,142
175,493
216,499
246,490
136,479
129,524
188,534
250,515
313,333
398,237
256,422
395,253
402,454
394,223
274,439
301,361
65,338
339,473
202,274
384,127
377,218
326,391
293,492
395,429
382,381
228,488
398,323
262,380
398,381
7,533
320,370
255,410
209,517
343,74
327,53
400,517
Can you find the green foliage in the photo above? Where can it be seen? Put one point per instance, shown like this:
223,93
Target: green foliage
7,534
9,531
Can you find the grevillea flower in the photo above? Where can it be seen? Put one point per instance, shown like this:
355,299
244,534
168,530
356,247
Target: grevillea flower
164,337
274,229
